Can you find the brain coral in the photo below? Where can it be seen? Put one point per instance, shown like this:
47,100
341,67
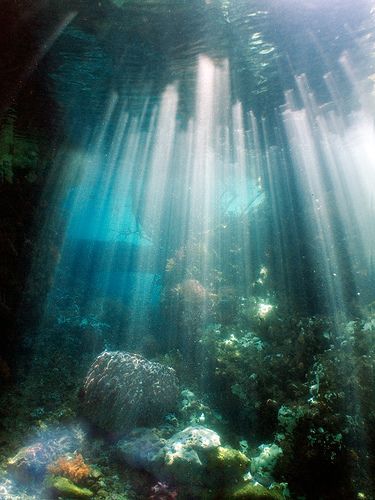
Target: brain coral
122,391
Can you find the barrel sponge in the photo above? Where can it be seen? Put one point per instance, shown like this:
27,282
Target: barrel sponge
122,391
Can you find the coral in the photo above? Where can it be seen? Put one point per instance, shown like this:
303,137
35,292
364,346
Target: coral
263,464
228,463
255,491
74,468
191,302
191,291
64,487
31,462
123,391
194,410
249,360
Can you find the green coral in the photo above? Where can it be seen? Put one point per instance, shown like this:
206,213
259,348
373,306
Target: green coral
64,487
255,491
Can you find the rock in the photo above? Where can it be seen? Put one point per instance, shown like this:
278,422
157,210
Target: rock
193,437
141,448
123,391
184,457
178,458
192,458
30,463
64,487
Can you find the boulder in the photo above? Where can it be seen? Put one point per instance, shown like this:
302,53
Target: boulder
181,459
141,449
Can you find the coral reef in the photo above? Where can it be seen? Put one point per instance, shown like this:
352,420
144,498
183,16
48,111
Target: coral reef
248,360
123,391
325,368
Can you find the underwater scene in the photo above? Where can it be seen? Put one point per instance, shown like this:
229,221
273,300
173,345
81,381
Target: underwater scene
187,249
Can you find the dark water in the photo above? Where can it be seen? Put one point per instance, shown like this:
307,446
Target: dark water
190,183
